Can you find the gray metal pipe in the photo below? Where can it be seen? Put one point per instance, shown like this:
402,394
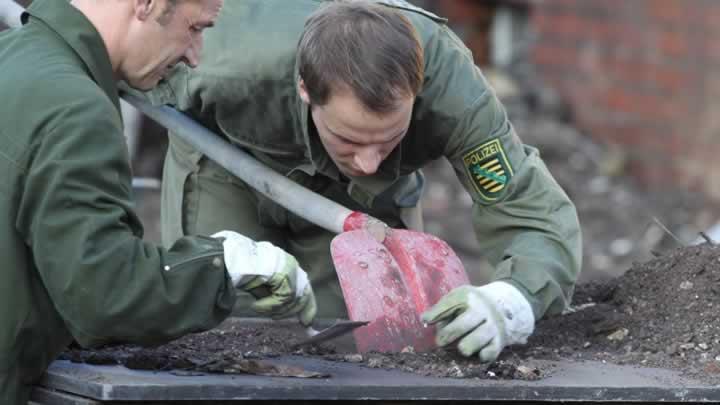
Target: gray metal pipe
296,198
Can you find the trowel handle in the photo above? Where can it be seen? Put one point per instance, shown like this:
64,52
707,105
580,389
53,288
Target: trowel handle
296,198
263,291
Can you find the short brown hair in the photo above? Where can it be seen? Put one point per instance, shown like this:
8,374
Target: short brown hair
371,49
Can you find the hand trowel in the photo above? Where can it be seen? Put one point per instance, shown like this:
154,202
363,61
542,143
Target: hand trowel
339,328
315,336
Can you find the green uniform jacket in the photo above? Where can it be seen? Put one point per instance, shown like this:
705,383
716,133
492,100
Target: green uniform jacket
75,265
245,89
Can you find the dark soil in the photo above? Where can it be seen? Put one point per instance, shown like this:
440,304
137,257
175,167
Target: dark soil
662,313
237,347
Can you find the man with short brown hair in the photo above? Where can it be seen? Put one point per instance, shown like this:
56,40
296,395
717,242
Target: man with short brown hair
352,99
75,264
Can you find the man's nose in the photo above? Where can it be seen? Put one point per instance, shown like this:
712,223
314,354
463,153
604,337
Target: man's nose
368,160
192,53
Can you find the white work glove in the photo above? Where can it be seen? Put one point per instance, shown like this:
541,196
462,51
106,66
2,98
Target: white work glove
271,275
486,319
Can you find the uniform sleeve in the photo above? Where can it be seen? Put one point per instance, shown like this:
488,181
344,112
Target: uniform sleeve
76,215
525,223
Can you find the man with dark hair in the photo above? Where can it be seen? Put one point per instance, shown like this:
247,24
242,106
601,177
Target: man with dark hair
76,266
352,99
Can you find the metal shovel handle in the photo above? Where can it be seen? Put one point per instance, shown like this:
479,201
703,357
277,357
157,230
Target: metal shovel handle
296,198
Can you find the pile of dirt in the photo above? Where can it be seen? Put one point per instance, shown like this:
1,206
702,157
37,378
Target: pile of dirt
662,313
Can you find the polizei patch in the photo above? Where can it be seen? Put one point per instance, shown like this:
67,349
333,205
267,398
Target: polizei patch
489,169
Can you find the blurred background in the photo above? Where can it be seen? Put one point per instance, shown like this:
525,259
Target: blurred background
618,96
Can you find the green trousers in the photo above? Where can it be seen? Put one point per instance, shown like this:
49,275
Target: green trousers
200,197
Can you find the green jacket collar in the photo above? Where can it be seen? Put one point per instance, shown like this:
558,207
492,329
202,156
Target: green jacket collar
388,172
79,33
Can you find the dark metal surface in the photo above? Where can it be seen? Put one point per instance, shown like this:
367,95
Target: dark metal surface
586,381
44,396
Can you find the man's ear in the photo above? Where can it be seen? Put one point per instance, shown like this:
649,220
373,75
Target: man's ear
302,91
144,8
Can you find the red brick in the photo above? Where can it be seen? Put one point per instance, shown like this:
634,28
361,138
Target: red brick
556,56
466,11
654,171
666,80
555,7
712,87
633,76
541,22
670,11
563,25
649,107
712,49
710,17
478,42
674,44
587,31
609,31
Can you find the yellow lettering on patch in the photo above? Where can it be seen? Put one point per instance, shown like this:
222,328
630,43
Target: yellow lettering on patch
482,153
488,169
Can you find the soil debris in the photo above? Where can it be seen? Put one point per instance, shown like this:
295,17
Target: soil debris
661,313
643,318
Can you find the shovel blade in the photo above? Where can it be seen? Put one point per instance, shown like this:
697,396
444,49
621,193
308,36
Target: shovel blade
391,284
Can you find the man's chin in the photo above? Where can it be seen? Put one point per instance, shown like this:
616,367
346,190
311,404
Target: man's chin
353,173
145,84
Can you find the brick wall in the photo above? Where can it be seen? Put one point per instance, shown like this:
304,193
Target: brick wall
470,19
642,74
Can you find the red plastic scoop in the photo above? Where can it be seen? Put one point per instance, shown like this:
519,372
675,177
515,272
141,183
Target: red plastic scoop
390,284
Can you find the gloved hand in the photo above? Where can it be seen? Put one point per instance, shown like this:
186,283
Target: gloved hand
264,266
485,319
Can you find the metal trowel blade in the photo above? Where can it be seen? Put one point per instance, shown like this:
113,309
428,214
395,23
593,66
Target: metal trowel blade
339,328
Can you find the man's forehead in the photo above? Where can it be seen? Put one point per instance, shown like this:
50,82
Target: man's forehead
355,123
